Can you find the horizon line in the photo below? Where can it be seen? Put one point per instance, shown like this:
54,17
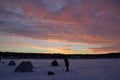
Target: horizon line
55,53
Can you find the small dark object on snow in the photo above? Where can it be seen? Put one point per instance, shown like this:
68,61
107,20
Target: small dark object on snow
24,67
54,63
3,62
12,63
51,73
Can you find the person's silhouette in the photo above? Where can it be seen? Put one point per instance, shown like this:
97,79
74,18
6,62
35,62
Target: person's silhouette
66,64
0,59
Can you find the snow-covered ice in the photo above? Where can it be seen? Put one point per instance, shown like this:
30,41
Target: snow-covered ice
80,69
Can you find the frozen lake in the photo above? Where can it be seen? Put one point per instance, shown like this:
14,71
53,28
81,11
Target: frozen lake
80,69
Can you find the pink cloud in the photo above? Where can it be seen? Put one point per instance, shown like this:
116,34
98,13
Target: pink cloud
75,21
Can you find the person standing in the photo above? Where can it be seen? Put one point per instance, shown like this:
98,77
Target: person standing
0,59
66,64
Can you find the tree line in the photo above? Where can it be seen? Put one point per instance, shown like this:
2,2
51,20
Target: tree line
19,55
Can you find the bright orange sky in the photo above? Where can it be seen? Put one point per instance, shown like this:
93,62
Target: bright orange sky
60,26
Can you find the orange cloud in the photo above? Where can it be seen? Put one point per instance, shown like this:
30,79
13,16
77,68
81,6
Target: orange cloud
70,21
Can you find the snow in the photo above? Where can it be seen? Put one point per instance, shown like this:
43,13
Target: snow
80,69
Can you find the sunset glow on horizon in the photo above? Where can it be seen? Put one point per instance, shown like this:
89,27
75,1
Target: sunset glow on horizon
60,26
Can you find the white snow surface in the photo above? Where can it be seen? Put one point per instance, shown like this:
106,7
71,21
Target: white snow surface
80,69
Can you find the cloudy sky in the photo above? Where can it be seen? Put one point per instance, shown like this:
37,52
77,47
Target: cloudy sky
60,26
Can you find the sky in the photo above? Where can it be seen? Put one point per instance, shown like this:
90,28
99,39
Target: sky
60,26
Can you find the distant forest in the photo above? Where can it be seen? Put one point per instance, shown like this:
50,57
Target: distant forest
14,55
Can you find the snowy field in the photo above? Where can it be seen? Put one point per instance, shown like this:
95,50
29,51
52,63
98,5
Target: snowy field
80,69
